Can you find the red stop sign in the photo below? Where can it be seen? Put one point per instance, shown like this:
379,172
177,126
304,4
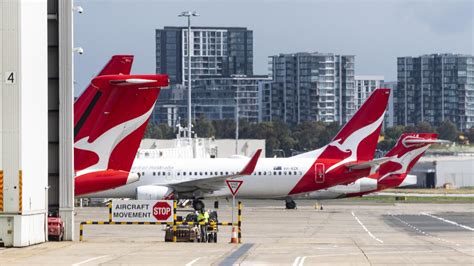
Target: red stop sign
162,210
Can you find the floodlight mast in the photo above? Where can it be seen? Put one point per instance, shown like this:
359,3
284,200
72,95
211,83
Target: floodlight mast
189,14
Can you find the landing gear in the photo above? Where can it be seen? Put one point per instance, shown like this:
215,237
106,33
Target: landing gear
198,205
290,204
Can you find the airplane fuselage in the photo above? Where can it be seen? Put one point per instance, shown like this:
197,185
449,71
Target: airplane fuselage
272,177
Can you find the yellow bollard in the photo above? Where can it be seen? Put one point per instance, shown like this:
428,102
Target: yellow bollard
174,221
239,219
81,231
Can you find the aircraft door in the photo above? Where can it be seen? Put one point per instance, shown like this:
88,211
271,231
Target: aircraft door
319,173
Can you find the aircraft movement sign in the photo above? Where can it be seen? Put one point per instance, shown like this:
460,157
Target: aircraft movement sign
142,210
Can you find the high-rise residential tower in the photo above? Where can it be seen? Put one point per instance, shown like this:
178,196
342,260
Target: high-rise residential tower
215,51
213,98
364,85
310,87
434,88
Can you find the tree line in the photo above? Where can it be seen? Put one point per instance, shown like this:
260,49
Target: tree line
284,140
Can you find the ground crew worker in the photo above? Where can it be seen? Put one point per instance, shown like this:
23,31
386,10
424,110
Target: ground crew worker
203,216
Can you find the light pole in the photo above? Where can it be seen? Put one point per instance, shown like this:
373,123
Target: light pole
237,120
189,14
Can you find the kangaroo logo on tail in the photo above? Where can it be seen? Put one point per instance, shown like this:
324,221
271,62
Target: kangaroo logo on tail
351,143
106,143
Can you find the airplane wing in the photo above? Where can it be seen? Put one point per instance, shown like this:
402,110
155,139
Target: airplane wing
215,182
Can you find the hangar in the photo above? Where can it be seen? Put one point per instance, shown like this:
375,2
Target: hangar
36,118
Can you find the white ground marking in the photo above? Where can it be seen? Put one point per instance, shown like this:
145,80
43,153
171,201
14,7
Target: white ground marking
302,261
193,261
365,228
89,260
299,261
422,232
448,221
403,252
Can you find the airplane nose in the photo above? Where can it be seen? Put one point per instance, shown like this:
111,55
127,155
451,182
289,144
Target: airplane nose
132,177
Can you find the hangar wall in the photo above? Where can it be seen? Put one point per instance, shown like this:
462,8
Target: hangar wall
437,171
60,112
23,125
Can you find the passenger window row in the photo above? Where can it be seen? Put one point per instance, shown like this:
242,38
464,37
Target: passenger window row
226,173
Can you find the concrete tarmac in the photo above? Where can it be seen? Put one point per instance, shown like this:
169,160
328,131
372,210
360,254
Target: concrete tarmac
345,232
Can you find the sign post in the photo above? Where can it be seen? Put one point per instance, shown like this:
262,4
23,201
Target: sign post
234,186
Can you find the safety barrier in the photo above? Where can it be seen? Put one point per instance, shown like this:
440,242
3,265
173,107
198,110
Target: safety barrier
174,223
1,191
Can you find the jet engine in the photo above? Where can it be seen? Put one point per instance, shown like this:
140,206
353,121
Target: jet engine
151,192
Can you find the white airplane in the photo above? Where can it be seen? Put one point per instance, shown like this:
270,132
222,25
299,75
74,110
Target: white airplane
348,157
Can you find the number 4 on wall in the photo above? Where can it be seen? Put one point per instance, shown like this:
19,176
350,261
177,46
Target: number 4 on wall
10,77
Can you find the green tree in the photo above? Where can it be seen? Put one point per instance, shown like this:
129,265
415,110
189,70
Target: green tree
424,127
409,129
204,128
152,131
167,132
386,144
310,135
470,135
393,133
266,130
284,137
448,131
224,129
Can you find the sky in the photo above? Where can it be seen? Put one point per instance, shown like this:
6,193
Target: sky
376,32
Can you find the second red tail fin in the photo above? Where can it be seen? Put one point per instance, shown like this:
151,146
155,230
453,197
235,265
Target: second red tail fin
406,152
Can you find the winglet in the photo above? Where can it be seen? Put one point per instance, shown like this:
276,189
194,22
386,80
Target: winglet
250,167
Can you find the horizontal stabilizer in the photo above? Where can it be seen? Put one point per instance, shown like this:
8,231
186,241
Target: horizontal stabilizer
132,81
425,141
115,81
368,164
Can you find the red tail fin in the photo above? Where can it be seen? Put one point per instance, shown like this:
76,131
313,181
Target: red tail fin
109,134
118,64
357,140
363,129
404,155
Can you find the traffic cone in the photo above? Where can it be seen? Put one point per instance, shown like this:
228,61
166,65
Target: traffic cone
233,238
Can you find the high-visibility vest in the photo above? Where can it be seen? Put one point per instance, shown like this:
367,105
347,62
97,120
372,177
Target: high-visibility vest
202,217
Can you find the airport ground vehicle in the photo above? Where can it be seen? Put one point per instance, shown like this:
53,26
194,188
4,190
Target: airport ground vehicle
184,233
348,157
110,118
55,226
192,233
